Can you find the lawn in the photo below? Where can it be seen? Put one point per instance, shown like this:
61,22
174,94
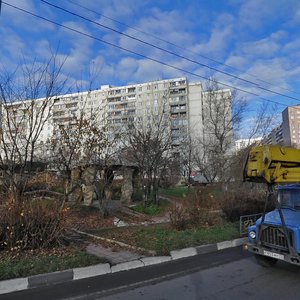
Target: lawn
13,265
152,209
176,191
163,239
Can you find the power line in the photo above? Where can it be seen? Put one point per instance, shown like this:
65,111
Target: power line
180,47
141,55
167,51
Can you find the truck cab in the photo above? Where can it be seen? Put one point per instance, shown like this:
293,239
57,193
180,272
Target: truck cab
271,240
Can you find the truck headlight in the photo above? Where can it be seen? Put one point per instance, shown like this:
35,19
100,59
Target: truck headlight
252,234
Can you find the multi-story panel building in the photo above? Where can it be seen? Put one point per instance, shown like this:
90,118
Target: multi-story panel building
275,137
181,103
244,143
288,132
142,103
291,126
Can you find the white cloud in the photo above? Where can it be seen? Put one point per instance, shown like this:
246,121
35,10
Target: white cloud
163,25
219,39
20,19
261,48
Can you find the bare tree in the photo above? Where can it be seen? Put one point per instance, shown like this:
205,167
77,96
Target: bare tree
77,137
222,115
187,157
27,96
82,145
148,145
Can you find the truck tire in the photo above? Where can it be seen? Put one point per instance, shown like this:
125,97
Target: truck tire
265,261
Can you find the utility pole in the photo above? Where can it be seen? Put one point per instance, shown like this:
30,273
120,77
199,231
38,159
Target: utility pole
0,6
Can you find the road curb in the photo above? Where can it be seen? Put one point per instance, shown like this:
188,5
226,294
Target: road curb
14,285
91,271
177,254
125,266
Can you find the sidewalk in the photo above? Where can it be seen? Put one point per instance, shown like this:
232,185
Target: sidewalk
115,257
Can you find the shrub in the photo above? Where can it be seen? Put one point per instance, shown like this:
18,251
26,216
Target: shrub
244,200
199,209
178,219
203,209
31,224
44,180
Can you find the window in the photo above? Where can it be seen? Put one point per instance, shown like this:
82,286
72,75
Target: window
131,90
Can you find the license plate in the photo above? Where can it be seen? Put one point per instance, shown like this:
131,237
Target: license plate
274,255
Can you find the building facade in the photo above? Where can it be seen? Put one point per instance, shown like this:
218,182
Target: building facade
288,132
291,126
244,143
181,103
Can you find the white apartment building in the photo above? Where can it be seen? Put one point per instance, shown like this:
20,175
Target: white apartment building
244,143
181,102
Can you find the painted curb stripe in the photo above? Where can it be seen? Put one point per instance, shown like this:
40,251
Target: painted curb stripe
13,285
127,266
91,271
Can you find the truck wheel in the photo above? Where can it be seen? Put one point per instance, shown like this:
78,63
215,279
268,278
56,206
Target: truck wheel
265,261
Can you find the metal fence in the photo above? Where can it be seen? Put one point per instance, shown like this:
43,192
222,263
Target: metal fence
246,221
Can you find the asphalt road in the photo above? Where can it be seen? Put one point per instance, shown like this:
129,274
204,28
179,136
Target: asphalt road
227,274
242,279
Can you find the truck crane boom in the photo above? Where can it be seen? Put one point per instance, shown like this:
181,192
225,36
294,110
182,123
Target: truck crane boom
273,164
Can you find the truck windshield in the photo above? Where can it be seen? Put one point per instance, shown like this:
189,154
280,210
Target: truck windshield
289,198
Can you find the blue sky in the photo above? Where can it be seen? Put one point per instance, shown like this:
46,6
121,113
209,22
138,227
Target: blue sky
259,39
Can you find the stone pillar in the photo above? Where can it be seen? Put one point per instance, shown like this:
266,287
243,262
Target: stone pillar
88,186
127,187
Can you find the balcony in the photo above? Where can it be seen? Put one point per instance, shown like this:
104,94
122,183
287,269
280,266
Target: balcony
178,109
131,90
178,91
177,84
114,99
